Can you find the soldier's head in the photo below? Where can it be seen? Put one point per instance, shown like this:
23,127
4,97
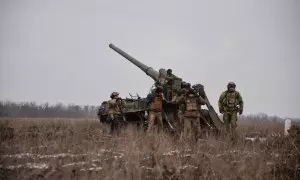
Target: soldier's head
231,86
114,95
199,88
191,93
188,85
169,71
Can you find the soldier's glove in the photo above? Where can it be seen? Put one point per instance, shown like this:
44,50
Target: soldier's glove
240,112
221,111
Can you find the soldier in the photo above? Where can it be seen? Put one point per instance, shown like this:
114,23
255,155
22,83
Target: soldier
169,76
190,106
230,103
115,109
168,86
181,107
155,102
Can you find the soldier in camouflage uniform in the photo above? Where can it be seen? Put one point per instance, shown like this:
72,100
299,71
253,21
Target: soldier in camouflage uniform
190,106
180,110
230,103
155,102
168,86
115,109
169,76
185,88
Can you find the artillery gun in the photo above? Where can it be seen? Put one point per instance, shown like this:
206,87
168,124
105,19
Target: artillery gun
209,118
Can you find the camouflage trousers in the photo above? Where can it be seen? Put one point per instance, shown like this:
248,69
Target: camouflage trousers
191,127
168,93
116,124
154,117
230,121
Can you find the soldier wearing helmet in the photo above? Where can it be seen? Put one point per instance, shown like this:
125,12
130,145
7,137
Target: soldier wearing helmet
168,85
190,105
155,101
115,109
230,103
169,75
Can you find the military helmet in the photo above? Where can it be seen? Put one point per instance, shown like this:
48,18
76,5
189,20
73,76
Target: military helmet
114,94
231,84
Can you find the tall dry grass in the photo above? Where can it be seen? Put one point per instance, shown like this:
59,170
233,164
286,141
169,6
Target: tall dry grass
83,149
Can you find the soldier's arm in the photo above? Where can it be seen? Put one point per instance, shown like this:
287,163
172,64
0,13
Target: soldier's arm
174,98
168,78
241,102
180,99
220,102
201,101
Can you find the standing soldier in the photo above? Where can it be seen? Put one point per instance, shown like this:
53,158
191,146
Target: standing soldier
230,103
191,106
155,102
181,107
168,86
169,76
115,109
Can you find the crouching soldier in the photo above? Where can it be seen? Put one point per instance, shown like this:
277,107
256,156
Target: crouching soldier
155,102
115,112
191,106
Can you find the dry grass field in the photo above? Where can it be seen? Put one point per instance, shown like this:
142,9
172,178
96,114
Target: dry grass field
83,149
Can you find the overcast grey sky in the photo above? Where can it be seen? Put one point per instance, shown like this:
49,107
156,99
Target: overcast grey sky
57,50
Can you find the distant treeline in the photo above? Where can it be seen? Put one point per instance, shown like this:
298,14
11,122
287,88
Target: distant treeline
31,109
261,117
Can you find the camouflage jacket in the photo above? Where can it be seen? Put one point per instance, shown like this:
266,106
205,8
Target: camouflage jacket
231,102
182,101
169,79
115,107
152,97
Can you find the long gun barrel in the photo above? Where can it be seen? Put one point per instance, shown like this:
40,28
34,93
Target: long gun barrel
148,70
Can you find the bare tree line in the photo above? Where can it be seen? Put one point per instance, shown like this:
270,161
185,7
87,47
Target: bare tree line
32,109
59,110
